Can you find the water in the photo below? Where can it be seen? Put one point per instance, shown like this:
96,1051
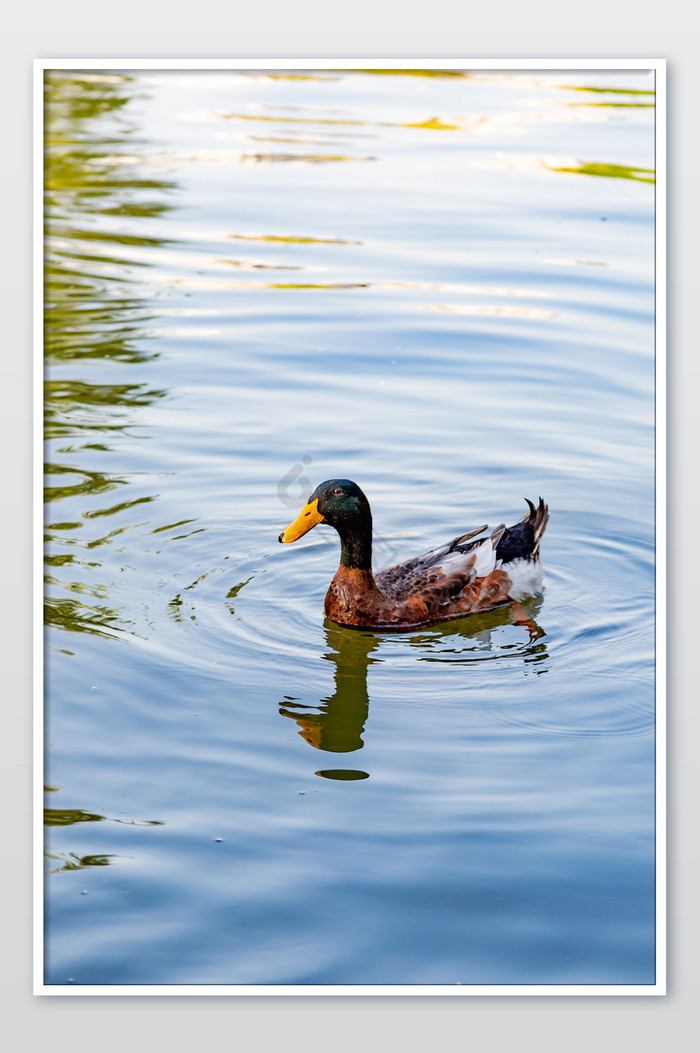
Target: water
441,287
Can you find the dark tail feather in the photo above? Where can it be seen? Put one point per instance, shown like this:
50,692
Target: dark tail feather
522,541
538,519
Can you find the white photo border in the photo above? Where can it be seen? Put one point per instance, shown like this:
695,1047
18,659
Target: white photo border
658,66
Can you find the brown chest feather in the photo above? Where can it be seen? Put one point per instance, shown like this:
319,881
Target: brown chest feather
355,599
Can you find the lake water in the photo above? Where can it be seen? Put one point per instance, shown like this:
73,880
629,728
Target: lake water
440,286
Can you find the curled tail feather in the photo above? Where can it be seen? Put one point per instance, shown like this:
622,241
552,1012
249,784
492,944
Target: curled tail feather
538,519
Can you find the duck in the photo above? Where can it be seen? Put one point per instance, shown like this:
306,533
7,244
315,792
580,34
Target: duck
468,575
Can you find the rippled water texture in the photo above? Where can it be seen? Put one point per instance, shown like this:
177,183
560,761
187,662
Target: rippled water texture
440,286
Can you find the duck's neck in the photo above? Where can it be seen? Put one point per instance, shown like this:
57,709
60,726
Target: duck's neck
356,546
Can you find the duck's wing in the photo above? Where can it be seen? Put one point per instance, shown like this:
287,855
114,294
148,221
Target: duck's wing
447,569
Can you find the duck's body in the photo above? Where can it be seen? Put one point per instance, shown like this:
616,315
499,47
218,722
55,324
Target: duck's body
467,575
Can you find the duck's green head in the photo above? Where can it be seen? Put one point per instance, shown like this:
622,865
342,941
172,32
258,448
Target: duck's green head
338,502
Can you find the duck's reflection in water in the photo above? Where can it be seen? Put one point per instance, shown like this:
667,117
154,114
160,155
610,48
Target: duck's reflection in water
336,724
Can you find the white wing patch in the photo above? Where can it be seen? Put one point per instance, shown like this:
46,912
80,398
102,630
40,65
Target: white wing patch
485,559
480,561
458,561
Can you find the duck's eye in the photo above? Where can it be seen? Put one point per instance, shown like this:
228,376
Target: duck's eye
338,491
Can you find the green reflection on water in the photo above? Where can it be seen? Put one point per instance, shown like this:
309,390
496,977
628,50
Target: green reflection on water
91,482
87,320
69,816
75,862
74,407
435,124
94,313
87,313
233,592
122,506
413,72
293,239
59,817
611,91
642,175
617,105
77,617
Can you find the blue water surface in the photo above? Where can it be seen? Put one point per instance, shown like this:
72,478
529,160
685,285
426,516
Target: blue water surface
440,286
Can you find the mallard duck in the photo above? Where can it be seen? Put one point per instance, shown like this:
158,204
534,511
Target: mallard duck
466,575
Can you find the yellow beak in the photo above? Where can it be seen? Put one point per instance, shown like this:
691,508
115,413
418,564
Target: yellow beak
307,518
